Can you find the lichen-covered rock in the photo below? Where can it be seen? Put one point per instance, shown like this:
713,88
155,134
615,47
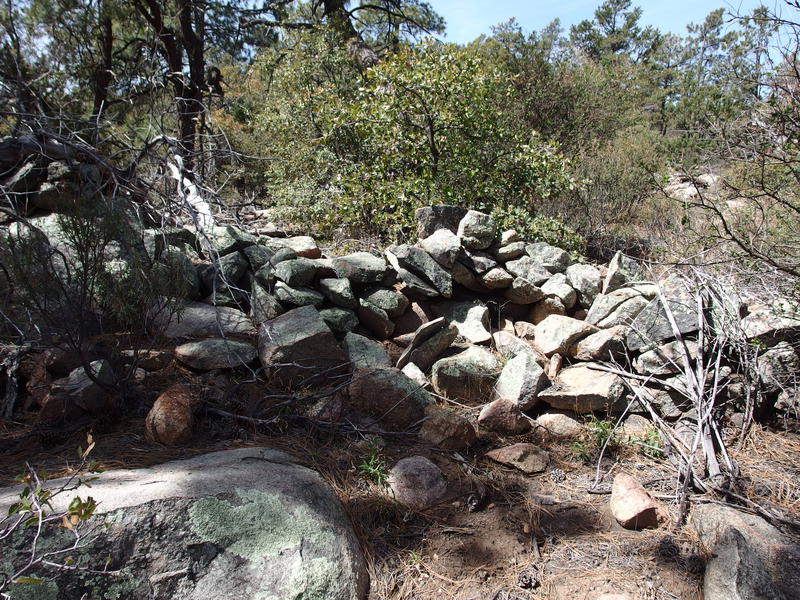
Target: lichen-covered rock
298,272
432,218
557,426
360,267
585,279
619,307
365,353
778,322
556,334
421,264
521,380
468,376
477,230
604,345
375,319
779,367
340,320
528,269
471,317
245,523
476,261
301,296
216,353
338,292
263,305
651,326
298,346
510,251
443,245
170,420
496,279
621,270
544,308
557,287
523,291
667,359
550,257
392,303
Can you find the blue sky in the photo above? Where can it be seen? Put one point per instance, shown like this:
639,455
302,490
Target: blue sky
467,19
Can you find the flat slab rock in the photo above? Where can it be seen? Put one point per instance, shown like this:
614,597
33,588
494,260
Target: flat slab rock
246,523
217,353
195,319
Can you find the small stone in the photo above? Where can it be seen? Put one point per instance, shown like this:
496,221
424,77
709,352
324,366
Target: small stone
338,292
582,389
417,482
509,236
621,270
510,251
605,345
170,421
476,261
632,506
558,426
525,457
557,287
422,265
429,342
503,416
415,374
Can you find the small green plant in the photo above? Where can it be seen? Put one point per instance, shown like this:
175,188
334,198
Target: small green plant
373,465
600,433
649,443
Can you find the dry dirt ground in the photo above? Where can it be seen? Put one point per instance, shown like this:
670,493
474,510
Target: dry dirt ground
498,535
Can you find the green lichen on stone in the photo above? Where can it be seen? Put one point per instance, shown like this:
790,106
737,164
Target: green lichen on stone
261,526
316,581
46,590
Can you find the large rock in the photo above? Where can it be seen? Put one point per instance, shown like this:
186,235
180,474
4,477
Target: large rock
301,296
442,216
550,257
375,319
651,326
225,272
420,263
779,368
621,270
245,523
619,307
360,267
304,245
298,346
443,245
521,380
471,317
523,291
365,353
582,389
778,322
667,359
585,279
496,279
298,272
391,302
477,230
389,396
340,320
417,482
226,239
85,392
750,559
468,376
194,319
217,353
263,305
476,261
556,334
544,308
557,287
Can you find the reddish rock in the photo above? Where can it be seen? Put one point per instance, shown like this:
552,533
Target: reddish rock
170,421
632,506
447,430
504,416
525,457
